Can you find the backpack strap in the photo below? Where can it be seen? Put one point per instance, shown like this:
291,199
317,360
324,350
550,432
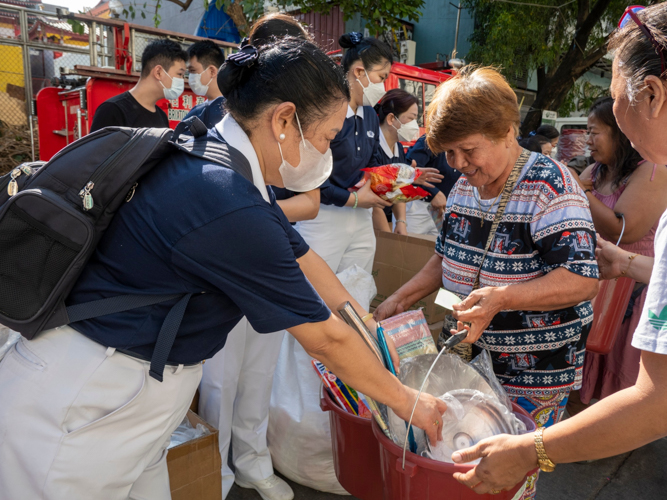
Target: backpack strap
121,303
191,126
214,151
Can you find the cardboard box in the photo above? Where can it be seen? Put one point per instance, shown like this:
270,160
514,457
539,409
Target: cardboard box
194,467
397,259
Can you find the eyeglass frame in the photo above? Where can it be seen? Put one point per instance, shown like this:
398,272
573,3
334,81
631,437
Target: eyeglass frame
659,48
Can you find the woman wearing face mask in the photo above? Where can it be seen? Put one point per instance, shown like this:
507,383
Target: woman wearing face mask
397,112
80,415
342,233
634,416
236,383
619,182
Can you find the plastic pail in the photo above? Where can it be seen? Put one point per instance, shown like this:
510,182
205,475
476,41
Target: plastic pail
356,454
424,479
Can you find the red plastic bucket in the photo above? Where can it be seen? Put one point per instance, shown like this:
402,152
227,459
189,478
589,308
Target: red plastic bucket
608,312
355,452
424,479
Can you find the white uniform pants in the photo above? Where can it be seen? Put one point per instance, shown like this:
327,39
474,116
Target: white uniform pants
235,392
79,421
342,236
419,219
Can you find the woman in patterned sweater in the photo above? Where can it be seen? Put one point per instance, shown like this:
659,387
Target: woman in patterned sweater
526,299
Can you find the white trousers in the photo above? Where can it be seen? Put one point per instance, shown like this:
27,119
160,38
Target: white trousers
342,236
419,219
79,421
234,396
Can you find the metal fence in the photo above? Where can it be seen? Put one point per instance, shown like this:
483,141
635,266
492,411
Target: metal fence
40,49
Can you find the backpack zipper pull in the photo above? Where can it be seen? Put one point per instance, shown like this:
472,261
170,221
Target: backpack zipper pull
26,169
13,186
87,197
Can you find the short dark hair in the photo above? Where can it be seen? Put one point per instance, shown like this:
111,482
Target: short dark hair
271,79
534,143
208,53
272,26
548,131
396,101
370,51
626,158
162,52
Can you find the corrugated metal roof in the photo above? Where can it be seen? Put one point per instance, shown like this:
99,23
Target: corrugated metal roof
218,25
326,29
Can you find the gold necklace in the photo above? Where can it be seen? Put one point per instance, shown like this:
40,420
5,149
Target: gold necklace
479,204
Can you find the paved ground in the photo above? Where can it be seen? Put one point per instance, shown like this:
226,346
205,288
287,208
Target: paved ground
639,475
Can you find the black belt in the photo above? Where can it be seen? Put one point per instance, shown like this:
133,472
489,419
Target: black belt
136,355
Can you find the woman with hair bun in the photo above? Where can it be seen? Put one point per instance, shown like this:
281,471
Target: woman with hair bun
342,233
235,390
87,410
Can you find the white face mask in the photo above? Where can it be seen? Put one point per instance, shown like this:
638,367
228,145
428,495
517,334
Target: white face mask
373,93
194,80
177,87
408,132
313,169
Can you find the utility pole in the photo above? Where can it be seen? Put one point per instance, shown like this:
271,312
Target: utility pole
458,22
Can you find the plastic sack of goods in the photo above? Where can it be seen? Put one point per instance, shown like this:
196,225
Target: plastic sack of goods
299,435
394,182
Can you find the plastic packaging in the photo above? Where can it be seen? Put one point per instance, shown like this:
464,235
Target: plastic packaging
185,432
571,143
470,417
346,397
299,435
452,377
8,338
393,182
410,334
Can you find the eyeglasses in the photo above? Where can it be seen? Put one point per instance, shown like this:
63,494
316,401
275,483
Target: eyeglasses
630,14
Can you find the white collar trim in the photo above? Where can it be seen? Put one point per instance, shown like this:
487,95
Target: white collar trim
359,113
385,146
234,135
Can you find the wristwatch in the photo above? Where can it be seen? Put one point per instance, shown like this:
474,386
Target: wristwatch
546,465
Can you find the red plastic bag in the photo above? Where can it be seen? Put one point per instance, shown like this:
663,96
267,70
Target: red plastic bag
394,182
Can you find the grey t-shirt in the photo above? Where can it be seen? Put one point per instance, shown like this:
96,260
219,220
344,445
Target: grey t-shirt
651,332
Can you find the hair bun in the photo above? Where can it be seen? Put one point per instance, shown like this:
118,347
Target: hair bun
237,68
349,40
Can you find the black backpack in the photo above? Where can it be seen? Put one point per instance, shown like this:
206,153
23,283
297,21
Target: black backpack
52,215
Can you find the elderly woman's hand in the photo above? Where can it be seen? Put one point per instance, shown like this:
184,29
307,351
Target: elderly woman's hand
505,462
478,309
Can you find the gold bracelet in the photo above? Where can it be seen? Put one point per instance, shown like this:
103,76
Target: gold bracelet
631,257
546,465
367,317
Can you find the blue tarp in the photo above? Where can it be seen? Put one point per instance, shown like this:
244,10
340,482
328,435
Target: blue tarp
218,25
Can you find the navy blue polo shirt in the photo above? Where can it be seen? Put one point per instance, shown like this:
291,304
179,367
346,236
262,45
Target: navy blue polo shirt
194,226
385,155
424,157
352,149
209,112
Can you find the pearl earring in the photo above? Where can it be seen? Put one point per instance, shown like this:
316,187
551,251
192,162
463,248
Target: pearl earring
282,137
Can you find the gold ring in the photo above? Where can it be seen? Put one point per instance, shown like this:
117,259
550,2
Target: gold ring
495,492
436,423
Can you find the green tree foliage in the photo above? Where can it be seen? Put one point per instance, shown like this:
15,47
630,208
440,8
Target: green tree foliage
558,39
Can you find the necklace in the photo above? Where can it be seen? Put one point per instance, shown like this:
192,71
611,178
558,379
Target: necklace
479,204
